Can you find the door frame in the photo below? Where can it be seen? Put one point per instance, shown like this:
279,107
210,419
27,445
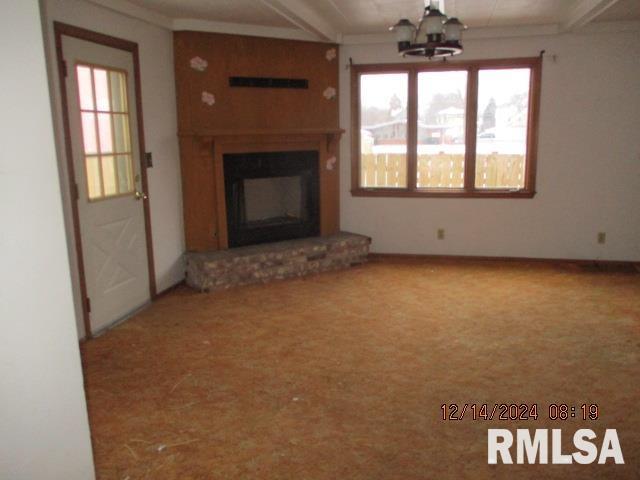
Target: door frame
60,30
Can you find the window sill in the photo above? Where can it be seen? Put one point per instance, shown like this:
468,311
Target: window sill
449,193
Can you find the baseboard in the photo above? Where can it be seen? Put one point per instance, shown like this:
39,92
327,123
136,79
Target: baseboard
117,322
170,289
575,261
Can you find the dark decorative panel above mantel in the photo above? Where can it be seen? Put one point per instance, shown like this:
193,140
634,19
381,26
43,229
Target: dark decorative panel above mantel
207,101
267,82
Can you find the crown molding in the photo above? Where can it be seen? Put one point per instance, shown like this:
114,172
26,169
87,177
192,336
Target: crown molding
134,11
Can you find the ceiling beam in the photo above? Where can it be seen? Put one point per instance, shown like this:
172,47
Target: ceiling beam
298,13
584,12
288,33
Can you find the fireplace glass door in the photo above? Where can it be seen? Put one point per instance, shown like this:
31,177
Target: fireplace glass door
271,196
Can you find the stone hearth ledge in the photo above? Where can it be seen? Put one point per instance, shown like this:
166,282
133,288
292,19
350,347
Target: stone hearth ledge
222,269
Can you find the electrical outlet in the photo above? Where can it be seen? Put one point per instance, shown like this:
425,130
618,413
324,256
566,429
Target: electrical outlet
602,237
441,234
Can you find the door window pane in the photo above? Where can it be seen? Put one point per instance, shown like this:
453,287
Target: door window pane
118,91
503,114
383,136
121,133
94,180
105,131
442,108
109,176
89,133
125,176
85,88
101,89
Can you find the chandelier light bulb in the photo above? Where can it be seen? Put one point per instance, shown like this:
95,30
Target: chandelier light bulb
453,30
434,22
404,30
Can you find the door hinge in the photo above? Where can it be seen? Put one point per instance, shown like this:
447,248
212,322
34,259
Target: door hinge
88,303
64,68
76,191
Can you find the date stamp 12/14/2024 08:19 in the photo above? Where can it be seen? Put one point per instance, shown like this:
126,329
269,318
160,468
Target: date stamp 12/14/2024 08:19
517,411
535,449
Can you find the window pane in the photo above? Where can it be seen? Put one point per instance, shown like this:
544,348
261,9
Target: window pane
85,88
93,177
109,175
121,133
383,134
102,89
104,132
89,133
118,91
125,176
503,113
442,107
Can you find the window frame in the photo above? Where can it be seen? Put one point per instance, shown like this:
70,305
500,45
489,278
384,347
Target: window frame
472,67
99,154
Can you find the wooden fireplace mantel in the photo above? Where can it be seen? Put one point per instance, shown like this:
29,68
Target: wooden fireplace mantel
267,135
262,131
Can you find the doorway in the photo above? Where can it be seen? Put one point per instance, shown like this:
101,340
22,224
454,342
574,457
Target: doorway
100,90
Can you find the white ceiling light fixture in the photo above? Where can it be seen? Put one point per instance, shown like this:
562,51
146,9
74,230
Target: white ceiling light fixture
436,35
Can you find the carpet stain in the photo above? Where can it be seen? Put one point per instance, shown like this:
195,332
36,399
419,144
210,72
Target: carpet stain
342,375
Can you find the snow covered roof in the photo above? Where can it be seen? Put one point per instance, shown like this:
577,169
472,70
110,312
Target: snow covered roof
451,111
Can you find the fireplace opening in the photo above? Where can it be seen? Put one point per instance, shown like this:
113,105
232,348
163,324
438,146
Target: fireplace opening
271,196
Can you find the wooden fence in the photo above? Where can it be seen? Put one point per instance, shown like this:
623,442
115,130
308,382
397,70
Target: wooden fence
442,170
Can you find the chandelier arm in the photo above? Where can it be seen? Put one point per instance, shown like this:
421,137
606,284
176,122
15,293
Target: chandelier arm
415,35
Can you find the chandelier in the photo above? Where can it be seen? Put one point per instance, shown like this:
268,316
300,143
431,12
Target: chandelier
436,36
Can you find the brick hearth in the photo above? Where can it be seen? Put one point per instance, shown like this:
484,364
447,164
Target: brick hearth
210,271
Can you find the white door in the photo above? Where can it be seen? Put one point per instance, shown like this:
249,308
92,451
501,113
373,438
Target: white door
103,127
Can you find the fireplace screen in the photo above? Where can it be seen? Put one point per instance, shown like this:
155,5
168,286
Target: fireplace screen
272,201
271,196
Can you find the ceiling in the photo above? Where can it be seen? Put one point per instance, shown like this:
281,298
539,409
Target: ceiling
333,19
375,16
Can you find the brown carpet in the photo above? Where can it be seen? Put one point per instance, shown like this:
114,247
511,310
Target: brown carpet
342,375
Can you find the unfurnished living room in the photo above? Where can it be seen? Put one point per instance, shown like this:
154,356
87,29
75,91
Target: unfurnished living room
320,239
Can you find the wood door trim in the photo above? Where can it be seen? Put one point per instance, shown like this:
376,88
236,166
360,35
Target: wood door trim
60,30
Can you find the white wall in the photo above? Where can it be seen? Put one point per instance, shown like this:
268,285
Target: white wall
44,431
160,127
588,162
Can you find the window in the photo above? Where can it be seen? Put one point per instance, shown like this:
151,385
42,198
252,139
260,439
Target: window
442,107
383,116
459,129
106,136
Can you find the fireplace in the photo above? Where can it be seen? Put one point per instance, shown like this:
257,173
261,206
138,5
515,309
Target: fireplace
271,196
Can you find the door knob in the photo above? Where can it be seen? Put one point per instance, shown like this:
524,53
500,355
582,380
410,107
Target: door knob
141,195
